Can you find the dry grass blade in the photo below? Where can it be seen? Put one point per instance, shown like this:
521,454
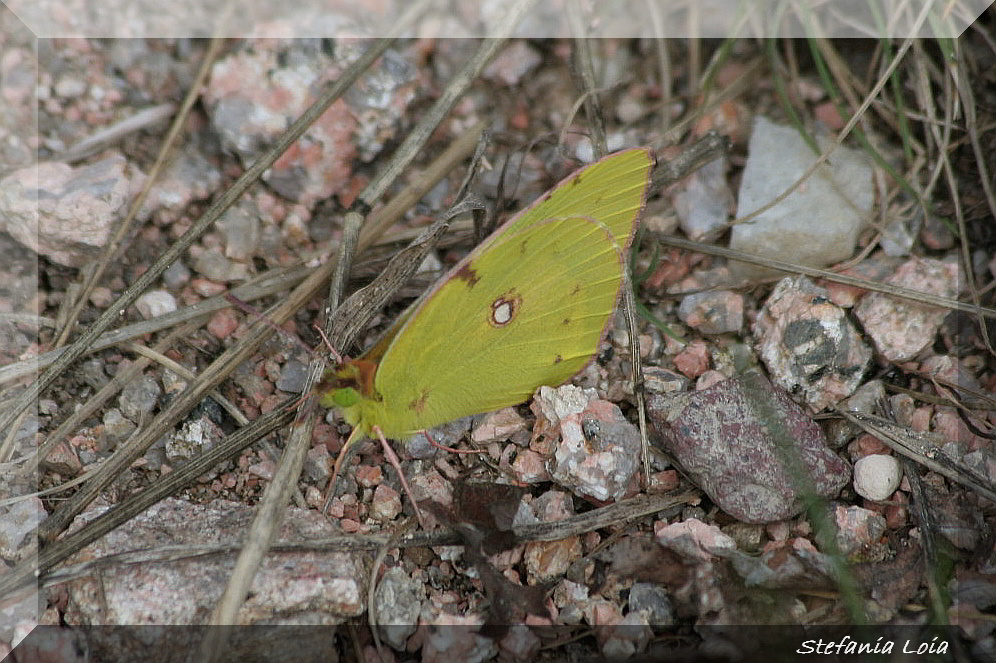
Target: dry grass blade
971,122
885,288
924,448
143,119
584,75
110,316
120,379
274,500
58,551
270,283
611,515
112,247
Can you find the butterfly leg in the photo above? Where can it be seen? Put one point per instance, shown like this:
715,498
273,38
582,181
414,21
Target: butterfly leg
451,449
343,453
393,459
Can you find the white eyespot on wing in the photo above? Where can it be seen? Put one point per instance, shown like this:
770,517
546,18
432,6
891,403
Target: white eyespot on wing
505,308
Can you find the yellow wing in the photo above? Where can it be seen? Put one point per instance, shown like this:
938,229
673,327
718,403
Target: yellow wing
527,311
526,308
610,190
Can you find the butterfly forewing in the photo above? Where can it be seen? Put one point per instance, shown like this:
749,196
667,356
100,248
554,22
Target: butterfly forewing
611,190
488,337
526,308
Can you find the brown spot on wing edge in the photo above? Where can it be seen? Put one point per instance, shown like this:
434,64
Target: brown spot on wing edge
468,274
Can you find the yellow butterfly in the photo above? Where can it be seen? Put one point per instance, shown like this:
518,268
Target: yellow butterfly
526,308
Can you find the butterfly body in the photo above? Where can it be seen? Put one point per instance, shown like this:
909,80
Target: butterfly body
526,308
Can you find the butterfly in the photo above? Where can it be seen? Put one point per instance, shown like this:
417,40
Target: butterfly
527,307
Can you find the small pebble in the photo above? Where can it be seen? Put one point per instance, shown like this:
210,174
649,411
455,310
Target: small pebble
318,464
116,426
398,602
216,267
809,344
693,360
93,373
498,426
713,312
512,63
877,476
223,323
529,467
155,303
653,601
176,276
857,527
658,380
17,521
386,503
902,329
292,377
139,397
66,213
101,297
599,450
63,460
705,202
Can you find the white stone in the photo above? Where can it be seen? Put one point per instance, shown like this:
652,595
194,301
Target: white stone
155,303
877,476
819,222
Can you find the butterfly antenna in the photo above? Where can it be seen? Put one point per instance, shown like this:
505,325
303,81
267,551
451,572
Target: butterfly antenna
335,353
253,312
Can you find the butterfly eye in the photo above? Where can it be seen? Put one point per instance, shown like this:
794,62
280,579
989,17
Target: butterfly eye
346,397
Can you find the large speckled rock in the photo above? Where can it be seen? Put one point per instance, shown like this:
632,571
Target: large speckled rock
748,446
809,345
67,213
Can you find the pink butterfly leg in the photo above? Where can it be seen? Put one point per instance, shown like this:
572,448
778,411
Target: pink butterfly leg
391,458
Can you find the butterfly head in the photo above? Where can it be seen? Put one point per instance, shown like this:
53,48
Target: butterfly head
346,385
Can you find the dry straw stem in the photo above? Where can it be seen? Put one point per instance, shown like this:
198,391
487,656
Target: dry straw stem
73,352
120,379
885,288
615,516
112,135
110,250
959,74
924,448
270,283
584,74
276,497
